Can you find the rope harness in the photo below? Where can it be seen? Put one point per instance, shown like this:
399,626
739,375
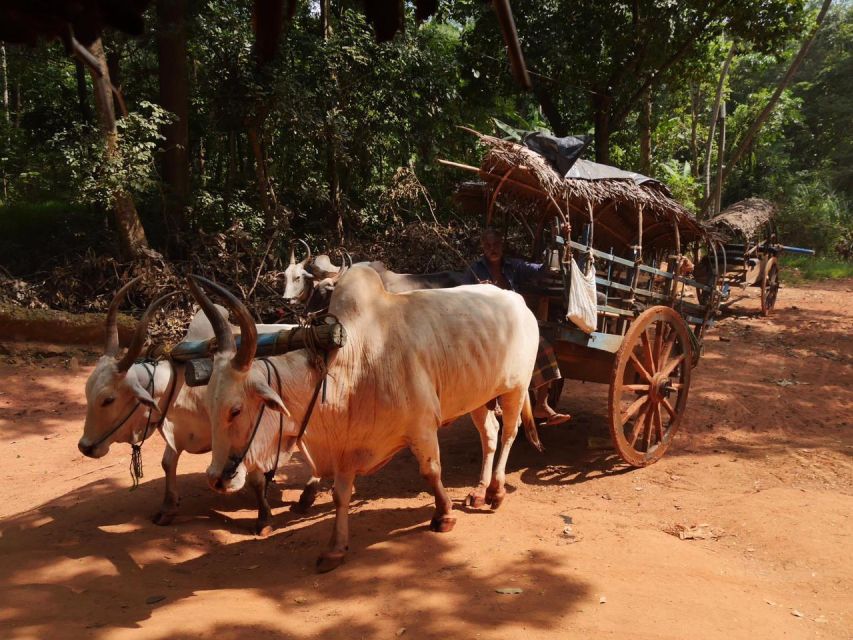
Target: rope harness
136,447
234,462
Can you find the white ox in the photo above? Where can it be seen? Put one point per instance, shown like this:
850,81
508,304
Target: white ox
312,280
412,362
119,396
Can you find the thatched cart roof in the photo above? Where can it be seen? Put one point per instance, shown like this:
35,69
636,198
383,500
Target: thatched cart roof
612,197
743,218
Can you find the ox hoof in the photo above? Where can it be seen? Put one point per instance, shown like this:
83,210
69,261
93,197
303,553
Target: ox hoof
497,500
475,500
330,560
306,501
163,518
263,529
442,524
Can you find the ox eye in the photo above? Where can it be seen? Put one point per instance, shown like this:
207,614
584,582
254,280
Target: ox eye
108,401
235,411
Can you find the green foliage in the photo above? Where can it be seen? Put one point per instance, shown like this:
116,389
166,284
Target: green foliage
346,124
97,174
799,268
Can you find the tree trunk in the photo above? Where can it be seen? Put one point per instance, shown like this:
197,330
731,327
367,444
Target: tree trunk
5,82
645,122
694,124
265,190
335,218
601,121
131,235
549,110
174,97
82,91
714,115
721,156
5,114
746,142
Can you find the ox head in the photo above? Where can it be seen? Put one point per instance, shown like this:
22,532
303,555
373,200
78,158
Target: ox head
236,391
115,389
297,278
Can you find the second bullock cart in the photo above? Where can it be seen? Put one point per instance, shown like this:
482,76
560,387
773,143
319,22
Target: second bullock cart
649,326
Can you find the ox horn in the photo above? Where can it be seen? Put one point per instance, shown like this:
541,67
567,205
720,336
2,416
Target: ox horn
292,256
141,334
242,360
308,259
111,346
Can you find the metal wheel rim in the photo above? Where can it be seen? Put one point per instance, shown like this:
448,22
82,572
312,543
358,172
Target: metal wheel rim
647,405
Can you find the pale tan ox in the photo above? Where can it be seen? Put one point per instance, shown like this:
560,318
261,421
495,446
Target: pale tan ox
119,396
412,362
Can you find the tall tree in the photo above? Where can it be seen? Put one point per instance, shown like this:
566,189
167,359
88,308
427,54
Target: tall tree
599,59
747,139
131,235
174,97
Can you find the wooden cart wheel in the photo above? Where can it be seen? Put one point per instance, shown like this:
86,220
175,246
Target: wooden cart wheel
649,385
769,287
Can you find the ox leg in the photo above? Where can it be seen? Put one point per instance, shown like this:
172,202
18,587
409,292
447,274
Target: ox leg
339,544
511,402
425,448
259,482
169,508
488,427
308,496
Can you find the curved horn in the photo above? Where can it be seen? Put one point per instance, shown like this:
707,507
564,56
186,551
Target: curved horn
308,259
242,360
292,256
111,346
348,258
221,329
138,340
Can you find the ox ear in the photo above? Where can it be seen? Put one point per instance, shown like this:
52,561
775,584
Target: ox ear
307,274
271,399
143,396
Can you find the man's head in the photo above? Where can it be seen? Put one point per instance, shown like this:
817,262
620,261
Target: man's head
493,245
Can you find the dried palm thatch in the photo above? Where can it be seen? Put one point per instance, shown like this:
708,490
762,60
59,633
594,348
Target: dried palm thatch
744,218
613,199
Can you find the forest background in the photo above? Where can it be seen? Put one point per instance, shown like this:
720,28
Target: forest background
221,153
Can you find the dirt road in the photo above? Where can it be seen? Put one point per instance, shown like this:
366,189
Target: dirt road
760,477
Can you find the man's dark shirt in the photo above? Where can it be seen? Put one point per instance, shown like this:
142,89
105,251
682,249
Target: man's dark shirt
515,270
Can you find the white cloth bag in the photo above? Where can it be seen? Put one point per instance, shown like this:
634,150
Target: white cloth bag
582,299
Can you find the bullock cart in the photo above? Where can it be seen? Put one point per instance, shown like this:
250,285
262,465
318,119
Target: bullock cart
649,326
749,252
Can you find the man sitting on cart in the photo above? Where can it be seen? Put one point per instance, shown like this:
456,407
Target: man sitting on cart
510,273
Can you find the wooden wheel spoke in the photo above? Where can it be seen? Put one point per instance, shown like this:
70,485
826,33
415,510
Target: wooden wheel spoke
639,425
635,387
658,423
631,410
647,351
639,367
647,427
666,349
668,406
670,366
660,327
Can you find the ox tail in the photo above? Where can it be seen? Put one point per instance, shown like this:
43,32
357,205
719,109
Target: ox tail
530,424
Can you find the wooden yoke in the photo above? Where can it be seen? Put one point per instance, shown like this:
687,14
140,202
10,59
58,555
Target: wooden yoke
198,354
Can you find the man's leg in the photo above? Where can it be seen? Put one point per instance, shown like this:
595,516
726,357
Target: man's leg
546,371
